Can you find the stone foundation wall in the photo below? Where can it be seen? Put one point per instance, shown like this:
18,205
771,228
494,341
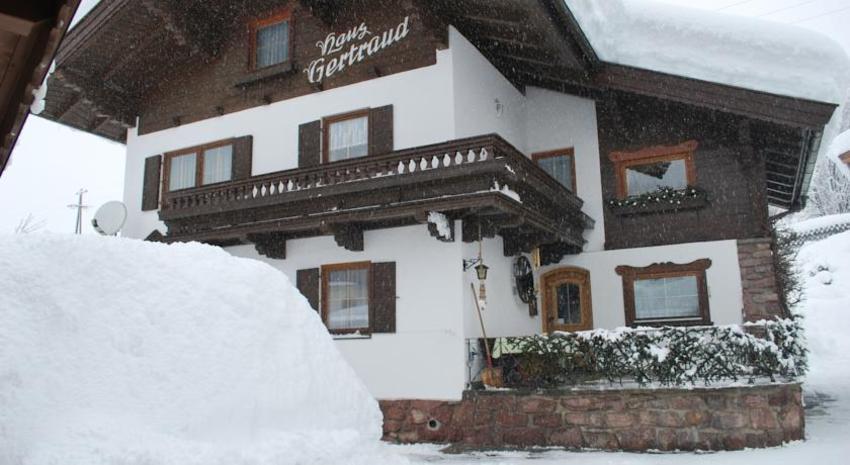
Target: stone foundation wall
633,419
758,279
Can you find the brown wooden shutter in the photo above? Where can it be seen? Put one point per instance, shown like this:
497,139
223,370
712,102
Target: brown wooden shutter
150,184
381,130
307,281
382,298
309,144
243,148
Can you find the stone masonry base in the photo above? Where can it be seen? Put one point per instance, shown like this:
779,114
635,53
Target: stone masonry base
628,419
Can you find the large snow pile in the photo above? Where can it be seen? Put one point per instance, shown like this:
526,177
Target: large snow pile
115,351
825,266
743,52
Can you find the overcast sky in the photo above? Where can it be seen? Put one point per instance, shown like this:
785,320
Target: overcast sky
51,162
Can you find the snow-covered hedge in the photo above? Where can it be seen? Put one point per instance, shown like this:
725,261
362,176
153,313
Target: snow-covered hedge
670,356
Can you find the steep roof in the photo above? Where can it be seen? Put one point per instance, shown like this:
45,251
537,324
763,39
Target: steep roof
747,53
30,32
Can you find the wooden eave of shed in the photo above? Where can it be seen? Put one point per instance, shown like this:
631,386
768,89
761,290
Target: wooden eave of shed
30,33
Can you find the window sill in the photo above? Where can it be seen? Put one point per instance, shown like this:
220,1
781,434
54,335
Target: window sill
641,206
349,336
278,71
679,322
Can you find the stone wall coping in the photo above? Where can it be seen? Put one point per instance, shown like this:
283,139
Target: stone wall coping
755,240
589,390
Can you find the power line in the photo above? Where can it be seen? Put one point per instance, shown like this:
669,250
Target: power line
820,15
785,8
733,5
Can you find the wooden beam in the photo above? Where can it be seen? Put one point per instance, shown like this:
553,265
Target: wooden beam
272,245
16,25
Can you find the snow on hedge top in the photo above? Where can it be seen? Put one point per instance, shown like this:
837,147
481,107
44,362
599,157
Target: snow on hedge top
742,52
122,351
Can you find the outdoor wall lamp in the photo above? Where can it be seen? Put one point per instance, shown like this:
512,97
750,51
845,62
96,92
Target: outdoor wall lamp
480,267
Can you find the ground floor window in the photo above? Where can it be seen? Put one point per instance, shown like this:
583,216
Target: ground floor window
566,300
346,297
666,293
352,298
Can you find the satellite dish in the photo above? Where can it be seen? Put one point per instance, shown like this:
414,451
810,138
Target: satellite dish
110,218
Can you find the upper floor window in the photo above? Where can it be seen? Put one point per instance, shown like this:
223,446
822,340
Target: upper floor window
560,164
271,40
665,294
346,136
655,168
199,166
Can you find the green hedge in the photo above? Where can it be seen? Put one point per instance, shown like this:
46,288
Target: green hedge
670,356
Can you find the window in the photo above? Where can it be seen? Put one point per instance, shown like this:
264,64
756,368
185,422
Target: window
345,297
346,136
271,40
198,166
666,294
560,164
566,300
655,168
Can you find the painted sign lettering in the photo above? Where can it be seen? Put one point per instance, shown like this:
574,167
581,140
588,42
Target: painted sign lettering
341,50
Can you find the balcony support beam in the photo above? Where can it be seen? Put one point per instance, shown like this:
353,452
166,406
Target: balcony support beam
272,245
347,235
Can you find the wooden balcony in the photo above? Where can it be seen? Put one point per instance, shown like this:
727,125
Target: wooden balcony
483,181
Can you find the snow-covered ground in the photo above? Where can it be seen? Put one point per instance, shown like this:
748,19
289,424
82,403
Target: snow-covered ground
826,268
124,352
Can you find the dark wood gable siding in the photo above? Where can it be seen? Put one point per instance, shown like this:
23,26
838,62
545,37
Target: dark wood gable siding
199,90
728,167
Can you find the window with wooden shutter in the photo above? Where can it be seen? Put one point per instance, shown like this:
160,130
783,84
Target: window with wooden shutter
307,282
355,298
310,144
150,183
666,294
382,306
381,130
243,154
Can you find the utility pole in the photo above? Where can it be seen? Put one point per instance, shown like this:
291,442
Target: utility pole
80,207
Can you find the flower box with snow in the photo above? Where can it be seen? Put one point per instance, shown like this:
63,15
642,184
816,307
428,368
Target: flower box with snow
660,201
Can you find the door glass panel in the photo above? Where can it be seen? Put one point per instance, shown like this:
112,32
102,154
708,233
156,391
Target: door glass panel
568,301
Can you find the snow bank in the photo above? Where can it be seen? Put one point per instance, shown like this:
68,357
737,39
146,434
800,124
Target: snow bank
742,52
820,223
115,351
826,270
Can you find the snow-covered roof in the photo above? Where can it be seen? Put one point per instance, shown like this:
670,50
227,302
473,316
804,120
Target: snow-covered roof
741,52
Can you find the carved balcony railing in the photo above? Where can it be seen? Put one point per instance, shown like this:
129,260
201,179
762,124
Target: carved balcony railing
483,180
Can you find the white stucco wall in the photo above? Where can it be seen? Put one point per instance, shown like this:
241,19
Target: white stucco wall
478,85
556,121
506,315
424,358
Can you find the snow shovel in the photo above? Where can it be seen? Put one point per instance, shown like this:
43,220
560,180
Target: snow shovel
490,375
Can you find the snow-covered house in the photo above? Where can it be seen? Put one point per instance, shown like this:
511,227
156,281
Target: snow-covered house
610,165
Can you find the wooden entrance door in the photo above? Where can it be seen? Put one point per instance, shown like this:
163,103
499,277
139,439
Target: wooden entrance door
566,300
